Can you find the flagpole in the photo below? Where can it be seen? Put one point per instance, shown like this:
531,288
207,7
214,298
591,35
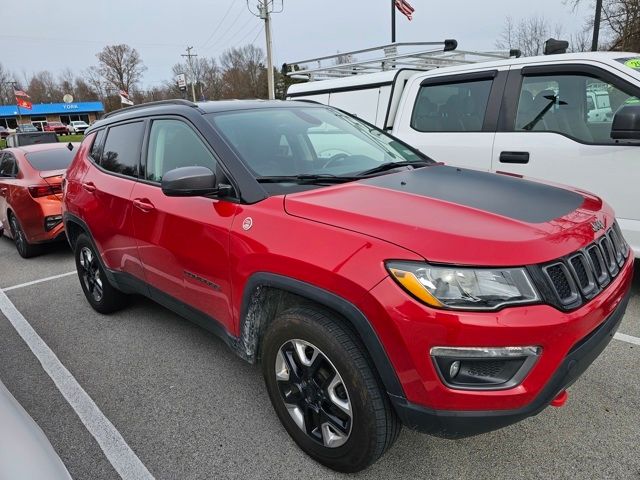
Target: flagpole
393,21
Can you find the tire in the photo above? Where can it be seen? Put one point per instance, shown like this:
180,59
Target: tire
342,419
25,249
101,295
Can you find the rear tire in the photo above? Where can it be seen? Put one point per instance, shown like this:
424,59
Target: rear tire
101,295
25,249
325,391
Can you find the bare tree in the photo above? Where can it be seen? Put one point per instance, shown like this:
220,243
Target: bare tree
528,35
120,66
244,74
620,23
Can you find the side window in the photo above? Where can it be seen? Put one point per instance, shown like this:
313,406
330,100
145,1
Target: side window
173,144
579,106
121,152
96,148
451,107
8,166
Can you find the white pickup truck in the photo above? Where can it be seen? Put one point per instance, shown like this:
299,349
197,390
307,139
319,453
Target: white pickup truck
567,118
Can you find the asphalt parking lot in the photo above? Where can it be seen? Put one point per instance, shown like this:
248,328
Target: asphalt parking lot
190,409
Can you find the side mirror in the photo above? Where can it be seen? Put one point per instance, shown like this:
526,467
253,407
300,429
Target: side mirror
189,182
626,123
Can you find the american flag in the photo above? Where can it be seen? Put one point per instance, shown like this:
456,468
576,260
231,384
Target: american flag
20,93
404,7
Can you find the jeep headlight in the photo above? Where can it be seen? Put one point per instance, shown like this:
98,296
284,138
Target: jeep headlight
464,288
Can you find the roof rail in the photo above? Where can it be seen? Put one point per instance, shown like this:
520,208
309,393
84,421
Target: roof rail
175,101
418,55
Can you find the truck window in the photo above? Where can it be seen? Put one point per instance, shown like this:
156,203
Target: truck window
579,106
451,107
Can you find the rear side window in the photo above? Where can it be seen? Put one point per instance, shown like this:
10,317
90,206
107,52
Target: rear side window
51,159
121,152
451,107
7,166
96,148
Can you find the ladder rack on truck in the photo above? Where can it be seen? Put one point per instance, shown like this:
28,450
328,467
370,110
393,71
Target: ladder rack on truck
412,55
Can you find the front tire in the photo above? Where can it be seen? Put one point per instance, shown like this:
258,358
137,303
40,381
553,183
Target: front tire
325,391
101,295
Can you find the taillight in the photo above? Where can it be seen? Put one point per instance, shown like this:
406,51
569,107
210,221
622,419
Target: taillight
37,191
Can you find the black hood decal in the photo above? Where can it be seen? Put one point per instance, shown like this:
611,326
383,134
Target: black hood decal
504,195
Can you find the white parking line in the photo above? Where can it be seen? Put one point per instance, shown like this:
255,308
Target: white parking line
34,282
123,459
627,338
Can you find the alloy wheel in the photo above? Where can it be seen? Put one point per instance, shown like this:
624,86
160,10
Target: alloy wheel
91,273
314,393
18,235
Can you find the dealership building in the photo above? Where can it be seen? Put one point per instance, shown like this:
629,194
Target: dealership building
51,112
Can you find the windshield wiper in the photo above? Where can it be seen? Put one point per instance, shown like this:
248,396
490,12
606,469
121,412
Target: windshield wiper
306,178
391,165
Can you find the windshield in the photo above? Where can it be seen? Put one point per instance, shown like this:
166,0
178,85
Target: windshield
55,159
293,141
78,123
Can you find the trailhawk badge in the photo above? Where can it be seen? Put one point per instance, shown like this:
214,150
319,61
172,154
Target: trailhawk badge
597,225
247,223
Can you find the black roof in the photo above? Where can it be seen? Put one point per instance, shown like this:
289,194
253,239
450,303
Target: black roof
172,106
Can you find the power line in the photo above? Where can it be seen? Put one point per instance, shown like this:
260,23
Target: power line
73,40
240,30
215,30
231,25
251,32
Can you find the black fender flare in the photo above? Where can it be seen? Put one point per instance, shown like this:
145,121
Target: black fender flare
343,307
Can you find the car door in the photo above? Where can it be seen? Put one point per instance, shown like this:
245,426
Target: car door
556,125
107,190
453,118
183,242
5,169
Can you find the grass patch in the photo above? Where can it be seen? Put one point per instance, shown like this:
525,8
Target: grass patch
61,139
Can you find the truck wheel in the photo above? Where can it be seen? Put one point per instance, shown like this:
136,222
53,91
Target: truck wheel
101,295
325,392
25,249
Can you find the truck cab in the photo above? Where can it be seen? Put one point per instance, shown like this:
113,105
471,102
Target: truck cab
546,117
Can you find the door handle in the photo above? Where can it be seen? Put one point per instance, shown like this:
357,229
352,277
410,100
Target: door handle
514,157
143,204
89,187
3,191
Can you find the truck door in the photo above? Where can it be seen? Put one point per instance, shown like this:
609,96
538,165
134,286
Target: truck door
453,118
556,125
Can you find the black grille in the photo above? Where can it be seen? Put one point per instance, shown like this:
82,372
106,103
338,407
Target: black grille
582,275
581,272
561,281
486,368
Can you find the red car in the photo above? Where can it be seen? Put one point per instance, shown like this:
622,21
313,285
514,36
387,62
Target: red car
376,287
57,127
31,194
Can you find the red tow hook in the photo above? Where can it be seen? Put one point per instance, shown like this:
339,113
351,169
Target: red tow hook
560,399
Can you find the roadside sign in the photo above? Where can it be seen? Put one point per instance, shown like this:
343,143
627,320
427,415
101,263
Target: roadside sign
182,82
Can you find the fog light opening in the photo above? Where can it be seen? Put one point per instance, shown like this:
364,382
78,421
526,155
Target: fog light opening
454,369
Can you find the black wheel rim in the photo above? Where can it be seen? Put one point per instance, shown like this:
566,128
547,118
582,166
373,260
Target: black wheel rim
18,235
314,393
90,273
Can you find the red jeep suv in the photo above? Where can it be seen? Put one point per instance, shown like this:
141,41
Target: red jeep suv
376,287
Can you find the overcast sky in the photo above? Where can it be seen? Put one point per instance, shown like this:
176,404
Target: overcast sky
41,34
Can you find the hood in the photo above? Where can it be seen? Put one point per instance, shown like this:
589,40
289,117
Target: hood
454,215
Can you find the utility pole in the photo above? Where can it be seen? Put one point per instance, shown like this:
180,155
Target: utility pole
264,10
393,21
189,56
596,26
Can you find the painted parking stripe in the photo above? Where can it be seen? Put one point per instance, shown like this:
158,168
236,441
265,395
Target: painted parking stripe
34,282
627,338
123,459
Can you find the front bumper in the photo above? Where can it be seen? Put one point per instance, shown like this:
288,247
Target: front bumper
458,424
